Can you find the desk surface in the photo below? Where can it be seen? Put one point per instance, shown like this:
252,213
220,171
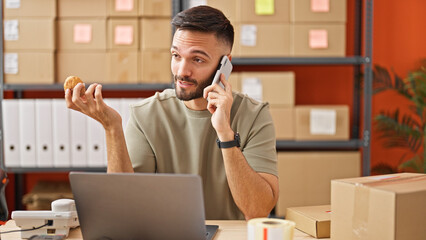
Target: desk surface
228,230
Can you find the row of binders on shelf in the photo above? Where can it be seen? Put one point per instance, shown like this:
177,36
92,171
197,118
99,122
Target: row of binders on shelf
44,133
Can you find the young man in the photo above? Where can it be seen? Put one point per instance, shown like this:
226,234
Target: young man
175,131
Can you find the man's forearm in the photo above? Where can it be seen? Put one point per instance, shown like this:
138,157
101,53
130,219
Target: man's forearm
117,154
252,193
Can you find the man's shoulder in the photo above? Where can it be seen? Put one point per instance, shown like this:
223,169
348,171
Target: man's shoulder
164,97
242,100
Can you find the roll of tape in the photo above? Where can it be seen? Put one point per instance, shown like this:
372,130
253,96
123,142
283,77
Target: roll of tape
270,229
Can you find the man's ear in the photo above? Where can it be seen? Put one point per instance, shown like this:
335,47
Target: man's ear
230,57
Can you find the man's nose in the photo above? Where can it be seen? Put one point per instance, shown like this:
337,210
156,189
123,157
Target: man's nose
184,69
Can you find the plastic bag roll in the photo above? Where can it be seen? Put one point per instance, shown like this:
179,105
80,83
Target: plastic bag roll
270,229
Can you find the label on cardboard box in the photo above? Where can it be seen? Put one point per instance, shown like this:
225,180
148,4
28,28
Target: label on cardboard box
124,5
11,65
264,7
11,30
322,122
123,35
320,5
253,88
13,3
248,35
318,38
82,33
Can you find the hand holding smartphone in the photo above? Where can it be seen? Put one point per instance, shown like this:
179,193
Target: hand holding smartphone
224,67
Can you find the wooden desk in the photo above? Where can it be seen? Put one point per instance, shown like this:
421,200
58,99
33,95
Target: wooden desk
228,230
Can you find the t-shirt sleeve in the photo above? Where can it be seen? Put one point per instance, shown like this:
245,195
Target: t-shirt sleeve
140,151
259,147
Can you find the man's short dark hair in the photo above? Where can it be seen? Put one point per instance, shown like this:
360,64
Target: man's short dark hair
205,19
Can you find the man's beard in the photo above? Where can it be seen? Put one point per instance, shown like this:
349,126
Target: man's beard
186,95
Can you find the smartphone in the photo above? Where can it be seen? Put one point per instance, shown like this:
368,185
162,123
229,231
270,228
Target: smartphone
224,67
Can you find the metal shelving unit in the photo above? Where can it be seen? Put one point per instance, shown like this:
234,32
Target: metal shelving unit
359,61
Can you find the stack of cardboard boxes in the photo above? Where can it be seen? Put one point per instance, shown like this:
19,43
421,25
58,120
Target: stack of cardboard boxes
105,41
29,41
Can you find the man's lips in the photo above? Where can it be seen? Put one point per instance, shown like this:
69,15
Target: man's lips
184,84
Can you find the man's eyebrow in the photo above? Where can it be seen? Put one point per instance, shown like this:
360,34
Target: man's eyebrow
194,51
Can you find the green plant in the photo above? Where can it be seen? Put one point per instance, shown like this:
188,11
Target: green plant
404,130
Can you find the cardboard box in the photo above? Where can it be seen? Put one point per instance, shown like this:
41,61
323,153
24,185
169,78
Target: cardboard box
22,67
29,8
235,81
313,220
304,177
44,193
90,67
36,34
123,34
122,67
82,8
318,40
385,207
82,34
322,122
283,118
276,88
262,40
155,8
155,66
156,33
123,8
318,11
253,11
229,8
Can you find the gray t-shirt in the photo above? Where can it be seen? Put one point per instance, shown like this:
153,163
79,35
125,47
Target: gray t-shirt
164,136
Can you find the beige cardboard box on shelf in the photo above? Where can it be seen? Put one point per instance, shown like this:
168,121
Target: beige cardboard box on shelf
155,8
122,67
318,40
317,11
249,11
235,81
123,8
313,220
283,118
82,34
276,88
24,67
322,122
36,34
261,40
229,8
154,66
29,8
89,66
82,8
385,207
156,33
123,34
304,177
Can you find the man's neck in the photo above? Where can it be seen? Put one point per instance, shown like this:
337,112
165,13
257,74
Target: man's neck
198,104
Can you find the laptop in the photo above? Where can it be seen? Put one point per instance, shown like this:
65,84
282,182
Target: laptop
140,206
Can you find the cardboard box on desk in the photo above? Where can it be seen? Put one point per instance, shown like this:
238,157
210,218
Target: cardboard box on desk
156,33
283,118
123,34
385,207
82,8
35,34
25,67
155,8
30,8
313,220
249,11
82,34
154,66
304,177
262,40
322,122
317,11
276,88
123,8
318,40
